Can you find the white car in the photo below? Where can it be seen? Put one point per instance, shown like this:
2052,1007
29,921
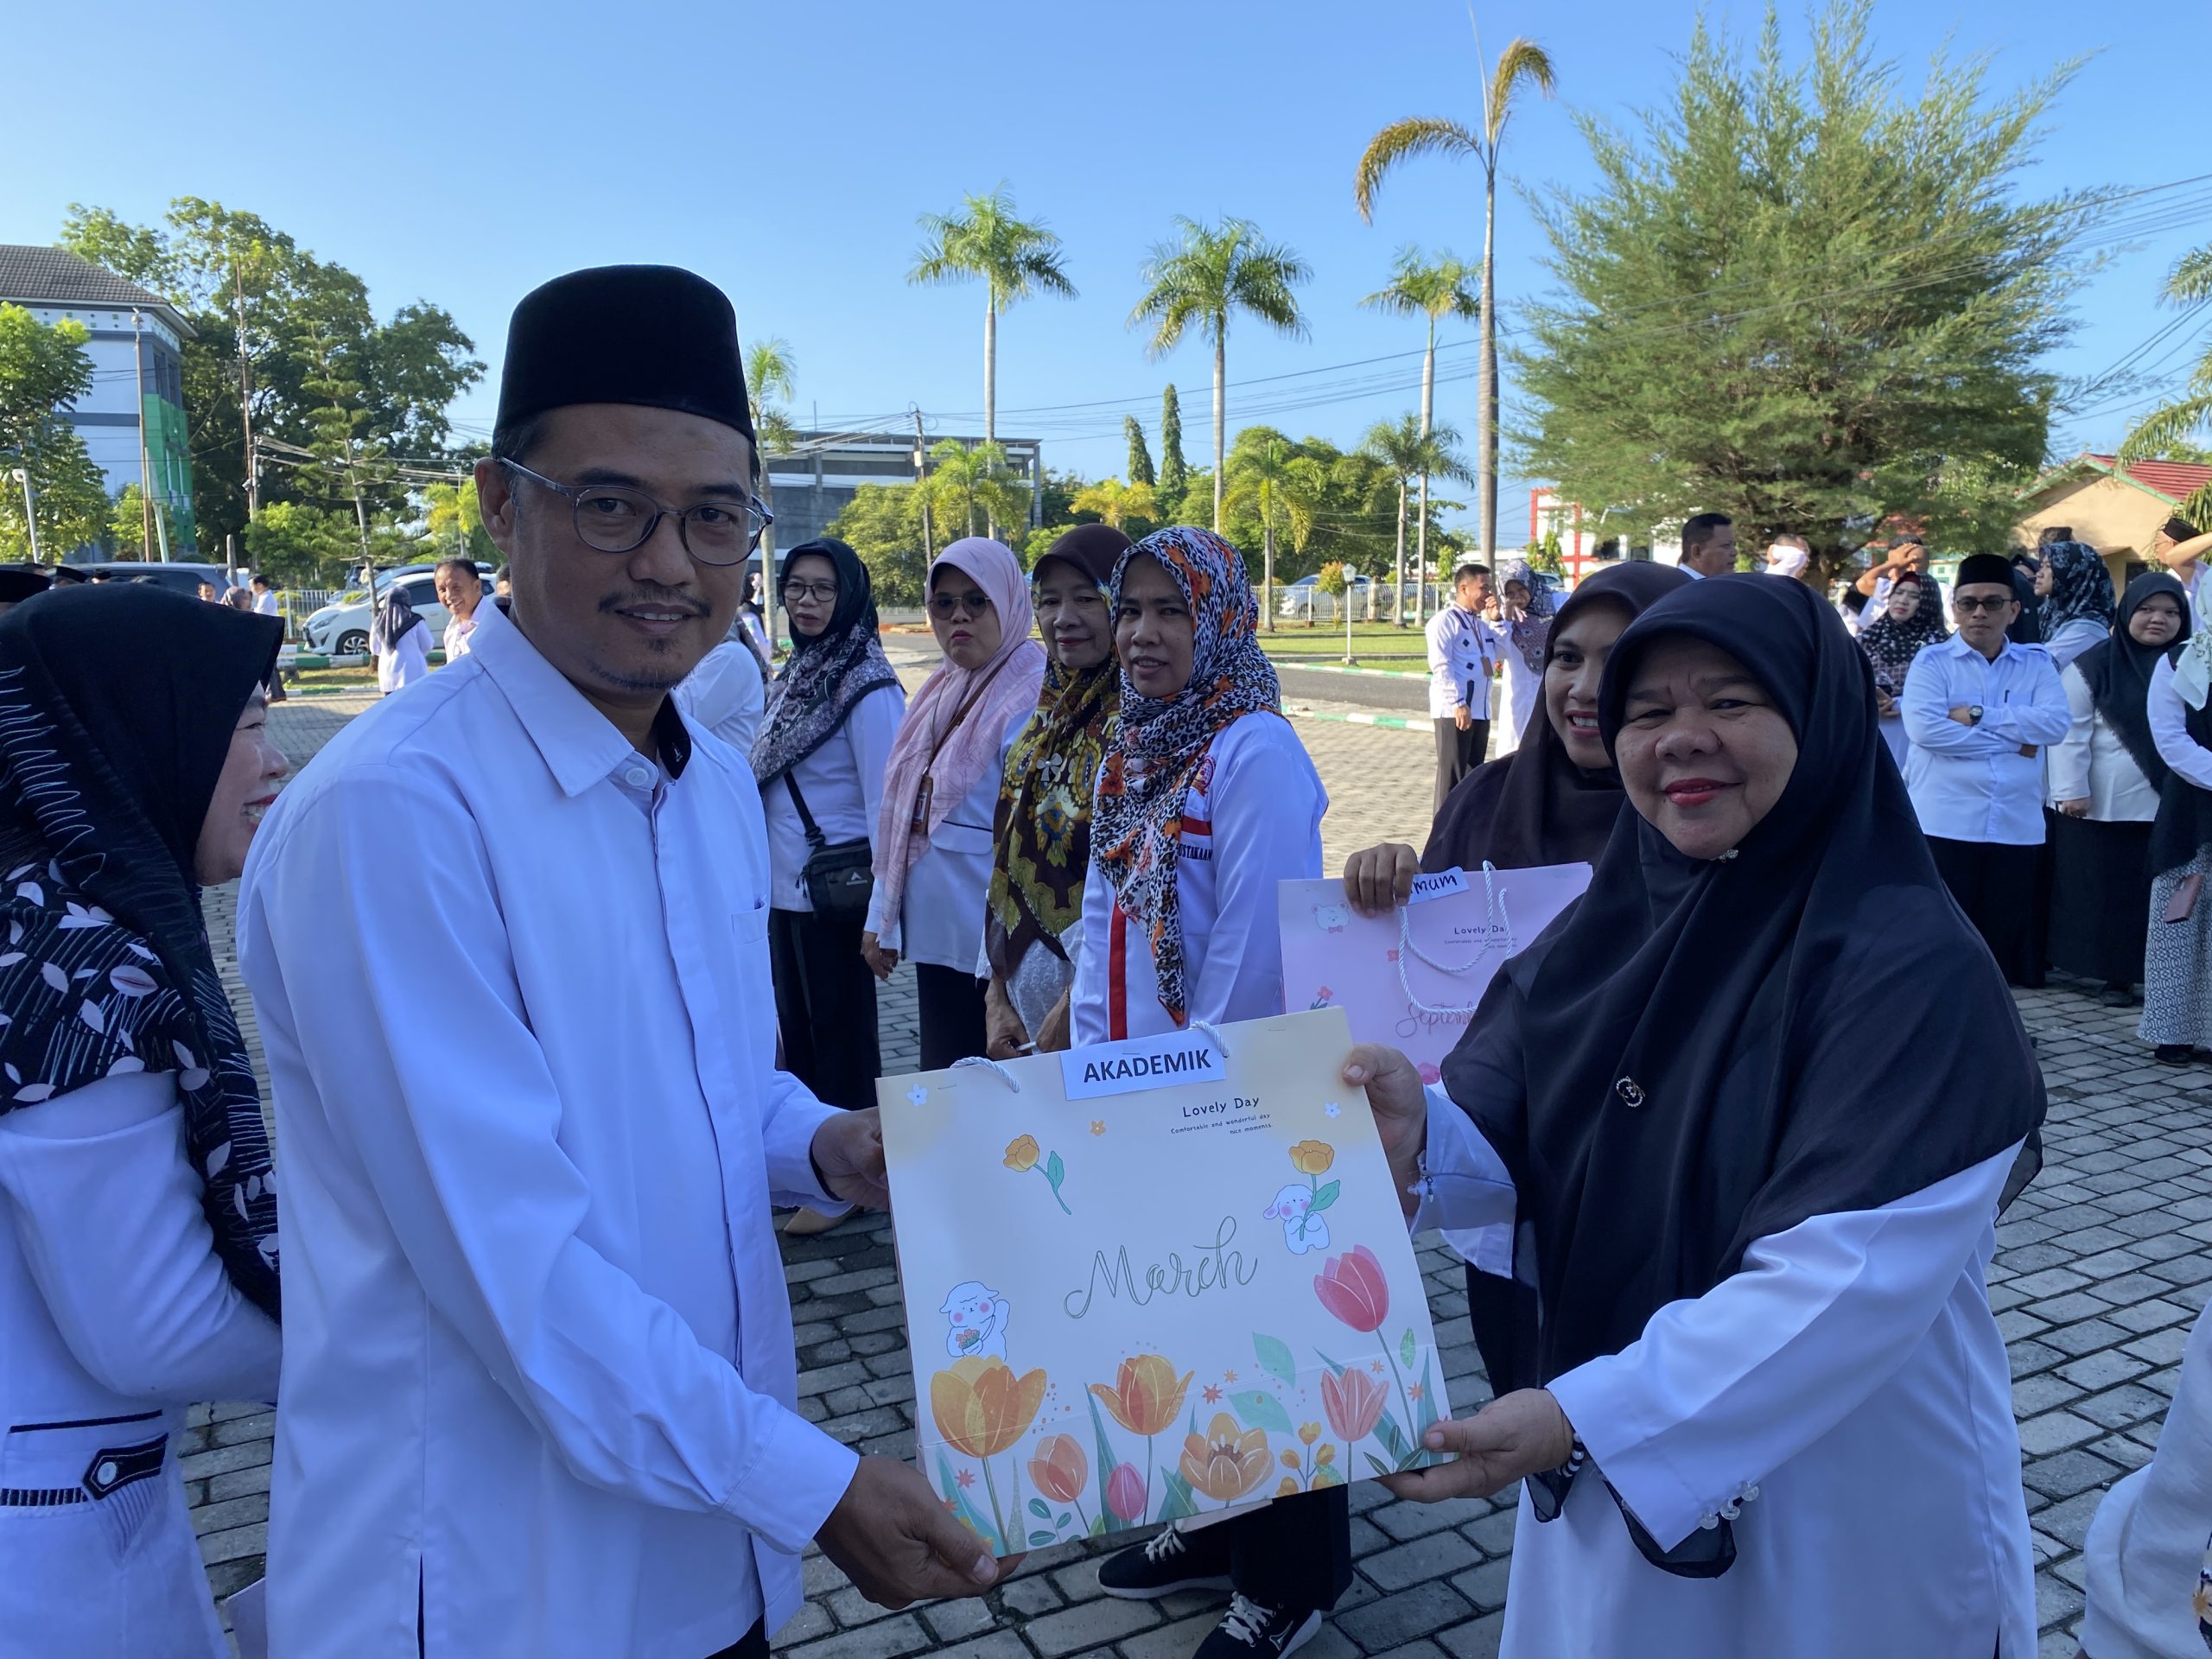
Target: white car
341,629
1297,599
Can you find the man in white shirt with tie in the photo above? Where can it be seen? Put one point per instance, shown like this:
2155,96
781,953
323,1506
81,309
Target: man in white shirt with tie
1979,710
539,1399
1708,545
1464,652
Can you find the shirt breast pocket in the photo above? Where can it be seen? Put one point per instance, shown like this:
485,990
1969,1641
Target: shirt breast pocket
964,840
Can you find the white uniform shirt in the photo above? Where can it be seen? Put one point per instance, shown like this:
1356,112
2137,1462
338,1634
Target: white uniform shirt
1251,818
2071,640
538,1360
265,603
1852,1373
724,694
1461,648
941,913
2170,729
115,1315
2093,763
458,630
842,782
403,663
1972,783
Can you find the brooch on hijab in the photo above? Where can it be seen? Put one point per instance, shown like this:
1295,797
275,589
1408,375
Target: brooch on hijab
1631,1091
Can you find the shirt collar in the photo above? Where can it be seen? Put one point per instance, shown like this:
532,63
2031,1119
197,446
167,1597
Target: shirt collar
1958,647
578,744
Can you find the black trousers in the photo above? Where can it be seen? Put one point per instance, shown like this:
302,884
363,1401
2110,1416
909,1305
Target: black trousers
1996,886
952,1015
754,1644
1297,1551
1458,753
825,1007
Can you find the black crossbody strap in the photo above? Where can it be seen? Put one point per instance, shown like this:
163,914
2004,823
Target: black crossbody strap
814,835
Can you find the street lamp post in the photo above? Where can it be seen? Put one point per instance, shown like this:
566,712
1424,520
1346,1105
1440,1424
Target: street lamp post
30,508
1351,576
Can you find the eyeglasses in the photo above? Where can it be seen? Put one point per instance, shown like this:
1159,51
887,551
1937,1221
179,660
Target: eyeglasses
613,519
950,605
1987,602
822,592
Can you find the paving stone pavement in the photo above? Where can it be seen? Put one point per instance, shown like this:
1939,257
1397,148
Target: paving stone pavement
2102,1267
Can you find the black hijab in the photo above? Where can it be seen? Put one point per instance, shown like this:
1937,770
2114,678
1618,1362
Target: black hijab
117,707
2118,673
1535,806
826,675
1691,1033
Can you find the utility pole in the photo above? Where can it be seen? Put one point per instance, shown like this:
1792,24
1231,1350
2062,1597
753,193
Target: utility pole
30,508
145,469
921,482
245,388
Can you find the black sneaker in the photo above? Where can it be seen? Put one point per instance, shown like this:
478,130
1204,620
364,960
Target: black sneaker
1168,1561
2117,996
1249,1631
2173,1054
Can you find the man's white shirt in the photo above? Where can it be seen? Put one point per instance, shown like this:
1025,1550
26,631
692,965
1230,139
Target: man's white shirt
1972,783
1461,648
539,1356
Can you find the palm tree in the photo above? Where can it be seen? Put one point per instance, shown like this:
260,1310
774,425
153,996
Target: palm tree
1115,502
966,479
1435,290
770,371
1214,270
2189,285
1522,62
1408,449
1279,489
1015,257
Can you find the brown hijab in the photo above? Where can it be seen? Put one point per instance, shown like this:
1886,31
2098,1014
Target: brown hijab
1535,806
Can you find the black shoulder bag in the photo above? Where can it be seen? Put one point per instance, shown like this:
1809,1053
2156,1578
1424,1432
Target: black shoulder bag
840,879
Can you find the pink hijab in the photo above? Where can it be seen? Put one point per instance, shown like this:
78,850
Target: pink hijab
1005,686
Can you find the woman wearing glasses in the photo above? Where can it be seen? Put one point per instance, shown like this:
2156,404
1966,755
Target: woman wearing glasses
833,714
933,833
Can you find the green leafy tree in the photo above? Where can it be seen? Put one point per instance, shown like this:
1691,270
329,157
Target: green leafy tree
256,300
127,522
1118,504
1174,473
1524,63
772,373
883,524
1548,555
1199,281
1432,290
965,482
44,368
1801,298
2162,434
1140,457
453,522
1014,258
1281,489
298,545
1409,448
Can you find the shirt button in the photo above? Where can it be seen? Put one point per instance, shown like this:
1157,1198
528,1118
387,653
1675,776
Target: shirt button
637,777
104,1474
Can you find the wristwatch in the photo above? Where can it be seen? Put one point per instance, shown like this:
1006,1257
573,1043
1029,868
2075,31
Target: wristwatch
1974,714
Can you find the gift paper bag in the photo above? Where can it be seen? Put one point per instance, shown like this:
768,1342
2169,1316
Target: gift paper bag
1412,978
1154,1278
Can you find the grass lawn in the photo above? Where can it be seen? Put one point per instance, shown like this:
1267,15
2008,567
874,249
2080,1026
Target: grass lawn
331,679
1373,644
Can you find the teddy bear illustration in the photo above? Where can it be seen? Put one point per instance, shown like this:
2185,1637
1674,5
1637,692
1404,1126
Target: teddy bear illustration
978,1316
1332,919
1300,1231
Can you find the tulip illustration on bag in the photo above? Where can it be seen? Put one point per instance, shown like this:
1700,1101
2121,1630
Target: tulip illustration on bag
1057,1469
1227,1461
981,1408
1022,1155
1146,1399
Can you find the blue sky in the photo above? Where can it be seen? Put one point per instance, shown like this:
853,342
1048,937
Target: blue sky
463,152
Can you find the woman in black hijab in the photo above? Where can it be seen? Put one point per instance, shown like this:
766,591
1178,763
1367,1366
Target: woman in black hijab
1766,1344
833,710
2105,779
1554,800
138,1208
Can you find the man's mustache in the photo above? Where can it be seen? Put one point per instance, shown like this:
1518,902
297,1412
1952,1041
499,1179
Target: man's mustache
660,598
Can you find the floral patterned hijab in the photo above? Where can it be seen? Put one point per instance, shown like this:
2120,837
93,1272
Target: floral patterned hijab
1136,826
1531,635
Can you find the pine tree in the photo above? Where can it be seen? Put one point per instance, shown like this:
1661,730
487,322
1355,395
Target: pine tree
1140,457
1804,297
1174,472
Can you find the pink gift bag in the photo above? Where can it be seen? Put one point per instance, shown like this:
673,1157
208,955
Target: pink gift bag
1412,978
